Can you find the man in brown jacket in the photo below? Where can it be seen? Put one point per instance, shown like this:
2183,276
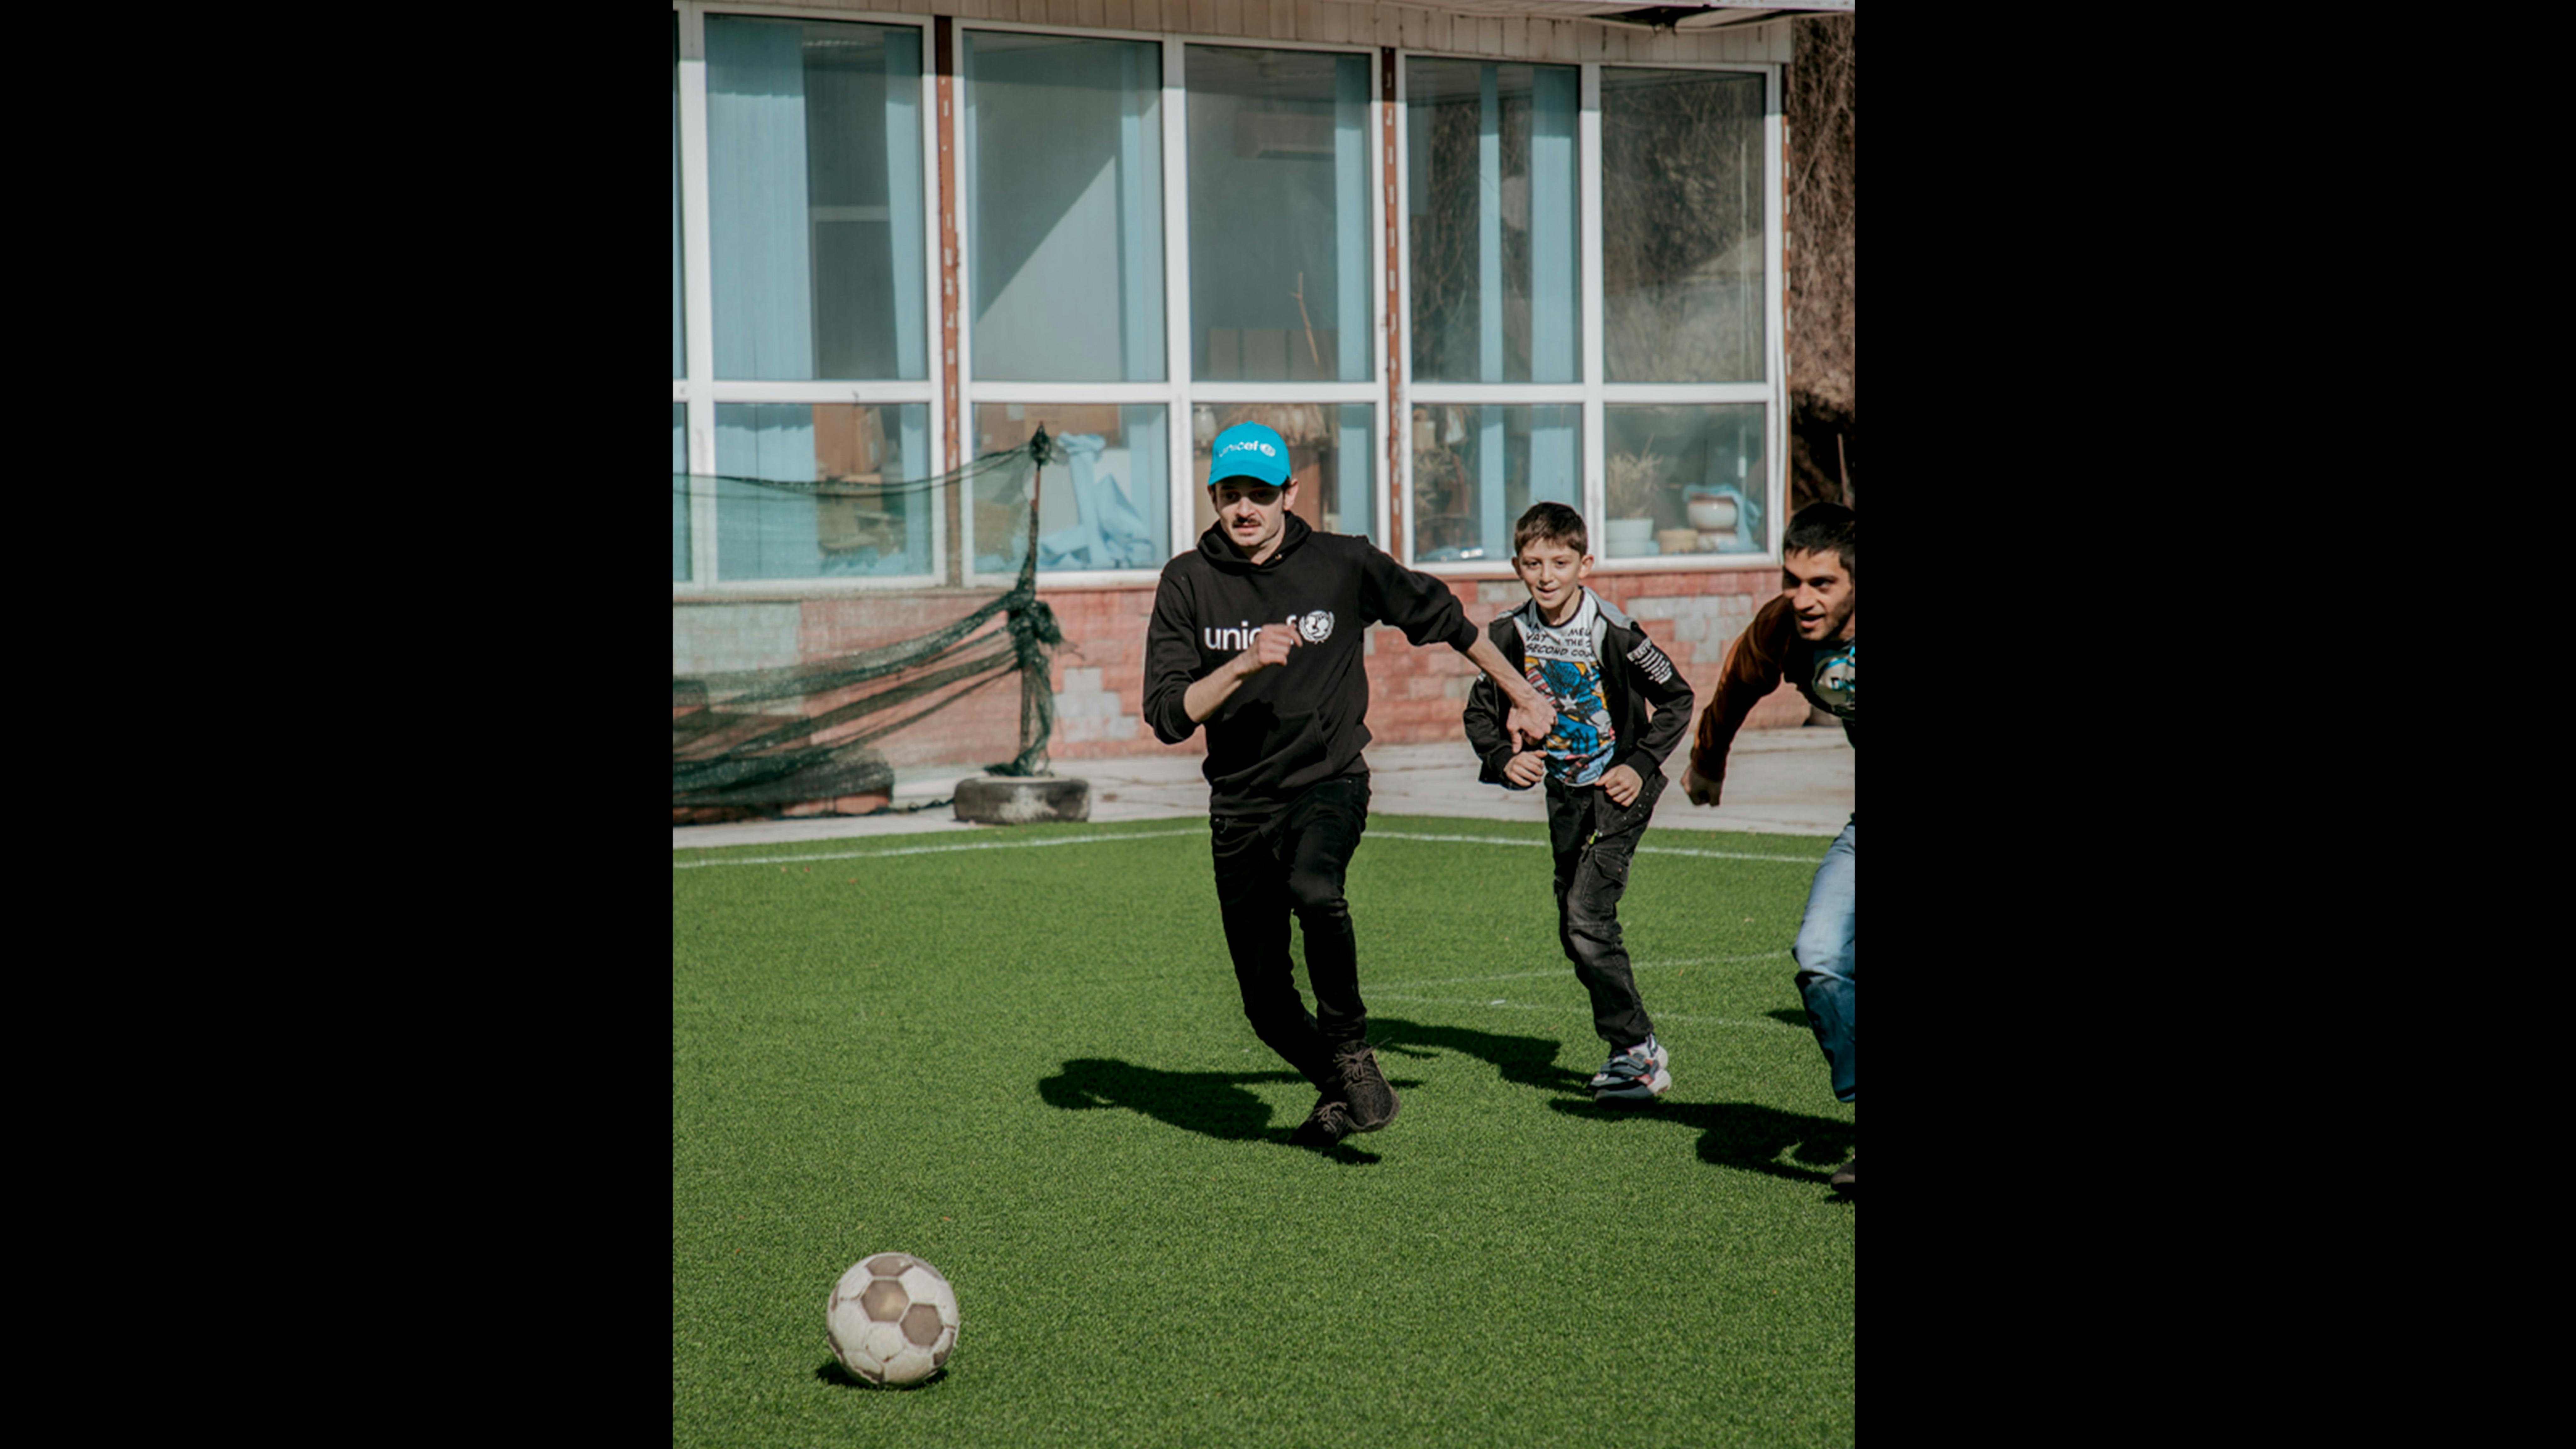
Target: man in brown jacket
1806,636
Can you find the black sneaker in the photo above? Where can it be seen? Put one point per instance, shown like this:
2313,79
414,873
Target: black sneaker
1329,1123
1372,1103
1842,1178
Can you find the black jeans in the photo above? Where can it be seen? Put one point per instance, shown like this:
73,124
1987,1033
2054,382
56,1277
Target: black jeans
1593,841
1292,863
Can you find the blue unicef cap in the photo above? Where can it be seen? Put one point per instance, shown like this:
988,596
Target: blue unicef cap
1249,450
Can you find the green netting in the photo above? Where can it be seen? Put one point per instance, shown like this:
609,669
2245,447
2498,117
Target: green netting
763,741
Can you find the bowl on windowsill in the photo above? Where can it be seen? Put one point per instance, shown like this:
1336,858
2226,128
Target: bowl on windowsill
1629,537
1710,513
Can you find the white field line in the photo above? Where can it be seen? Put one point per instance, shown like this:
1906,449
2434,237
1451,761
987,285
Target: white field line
933,849
1201,830
1377,993
1641,850
1568,970
1573,1009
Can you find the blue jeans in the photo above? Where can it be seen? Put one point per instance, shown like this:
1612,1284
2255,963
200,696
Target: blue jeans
1824,956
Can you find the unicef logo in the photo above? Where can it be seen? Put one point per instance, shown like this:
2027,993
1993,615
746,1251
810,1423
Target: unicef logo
1316,627
1254,445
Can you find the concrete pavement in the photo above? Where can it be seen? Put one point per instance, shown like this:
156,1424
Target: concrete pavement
1783,782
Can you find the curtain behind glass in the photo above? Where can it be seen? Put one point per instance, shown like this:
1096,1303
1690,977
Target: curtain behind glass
1064,192
678,354
1103,504
764,533
1279,258
857,530
815,200
1491,218
1683,212
679,492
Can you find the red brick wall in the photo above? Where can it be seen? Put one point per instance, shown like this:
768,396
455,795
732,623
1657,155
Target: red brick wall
1100,675
979,725
1415,695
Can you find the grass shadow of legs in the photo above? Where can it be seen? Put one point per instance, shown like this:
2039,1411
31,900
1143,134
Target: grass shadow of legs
1211,1104
1750,1138
1529,1061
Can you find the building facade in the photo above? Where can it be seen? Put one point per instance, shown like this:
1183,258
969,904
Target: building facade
1464,259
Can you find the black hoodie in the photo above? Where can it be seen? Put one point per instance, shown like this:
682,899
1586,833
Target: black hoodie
1287,728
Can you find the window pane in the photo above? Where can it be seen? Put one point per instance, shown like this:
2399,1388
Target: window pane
815,200
1491,221
1330,453
1683,205
678,356
1478,467
1279,257
828,515
1685,479
1107,505
679,493
1064,216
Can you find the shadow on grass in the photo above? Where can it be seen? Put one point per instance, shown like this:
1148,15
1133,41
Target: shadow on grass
1739,1135
1528,1061
1744,1136
832,1372
1212,1104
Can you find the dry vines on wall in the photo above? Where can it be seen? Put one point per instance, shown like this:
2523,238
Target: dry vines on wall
1823,398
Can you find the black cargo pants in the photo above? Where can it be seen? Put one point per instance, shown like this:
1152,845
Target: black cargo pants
1292,863
1593,841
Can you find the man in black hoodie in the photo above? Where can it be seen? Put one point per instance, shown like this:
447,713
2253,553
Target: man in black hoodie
1258,634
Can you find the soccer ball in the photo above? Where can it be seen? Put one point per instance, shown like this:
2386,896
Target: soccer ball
891,1319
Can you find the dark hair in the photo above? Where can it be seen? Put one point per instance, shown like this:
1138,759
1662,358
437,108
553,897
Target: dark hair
1819,527
1550,523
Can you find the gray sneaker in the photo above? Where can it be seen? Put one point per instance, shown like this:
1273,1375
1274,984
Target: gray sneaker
1640,1073
1371,1102
1842,1178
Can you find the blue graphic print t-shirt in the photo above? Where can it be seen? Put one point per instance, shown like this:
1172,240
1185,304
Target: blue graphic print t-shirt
1563,664
1832,681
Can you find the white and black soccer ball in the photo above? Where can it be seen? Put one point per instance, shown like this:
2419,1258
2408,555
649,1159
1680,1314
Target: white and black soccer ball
892,1319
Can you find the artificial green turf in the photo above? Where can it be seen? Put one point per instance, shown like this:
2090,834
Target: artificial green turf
1030,1067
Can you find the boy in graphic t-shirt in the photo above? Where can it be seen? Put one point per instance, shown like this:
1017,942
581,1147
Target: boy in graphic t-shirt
1620,707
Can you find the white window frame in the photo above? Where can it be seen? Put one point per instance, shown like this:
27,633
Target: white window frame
1179,392
1370,390
703,391
1592,393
